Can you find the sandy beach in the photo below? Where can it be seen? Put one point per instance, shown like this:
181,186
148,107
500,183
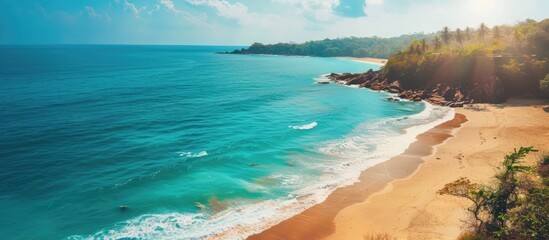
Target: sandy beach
398,197
378,61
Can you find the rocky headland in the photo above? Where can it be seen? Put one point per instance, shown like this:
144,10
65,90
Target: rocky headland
438,94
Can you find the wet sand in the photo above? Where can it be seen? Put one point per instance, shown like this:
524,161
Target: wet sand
398,197
317,222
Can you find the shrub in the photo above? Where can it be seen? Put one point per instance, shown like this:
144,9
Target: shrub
544,86
471,235
516,207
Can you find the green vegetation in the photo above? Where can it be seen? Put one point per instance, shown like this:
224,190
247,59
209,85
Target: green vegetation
544,86
341,47
515,207
502,60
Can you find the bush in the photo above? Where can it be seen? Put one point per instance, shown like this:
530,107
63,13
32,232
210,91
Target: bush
516,207
544,86
470,235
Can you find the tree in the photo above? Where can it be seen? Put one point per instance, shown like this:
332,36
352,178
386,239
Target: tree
482,31
516,36
495,33
436,43
467,34
424,45
459,36
446,35
505,197
494,208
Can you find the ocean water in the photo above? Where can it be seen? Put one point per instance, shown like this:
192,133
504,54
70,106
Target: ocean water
194,144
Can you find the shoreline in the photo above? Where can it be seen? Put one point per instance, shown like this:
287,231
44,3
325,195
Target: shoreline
399,198
376,61
316,222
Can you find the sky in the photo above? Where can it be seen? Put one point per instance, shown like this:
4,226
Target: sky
242,22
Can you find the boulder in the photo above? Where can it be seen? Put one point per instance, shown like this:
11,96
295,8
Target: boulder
356,80
393,89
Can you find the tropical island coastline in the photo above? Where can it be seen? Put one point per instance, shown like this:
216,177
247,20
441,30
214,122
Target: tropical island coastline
280,119
500,106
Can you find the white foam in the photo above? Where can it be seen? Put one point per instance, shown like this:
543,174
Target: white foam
305,127
322,78
193,155
369,144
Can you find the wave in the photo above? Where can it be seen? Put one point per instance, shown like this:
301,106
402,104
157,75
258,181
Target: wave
322,79
305,127
193,155
367,145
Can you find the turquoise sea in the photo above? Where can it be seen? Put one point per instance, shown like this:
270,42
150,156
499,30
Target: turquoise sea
152,142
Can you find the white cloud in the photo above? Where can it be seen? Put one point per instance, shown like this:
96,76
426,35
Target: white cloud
170,6
237,11
90,11
128,5
374,2
319,10
224,8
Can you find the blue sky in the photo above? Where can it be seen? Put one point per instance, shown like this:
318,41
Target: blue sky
242,22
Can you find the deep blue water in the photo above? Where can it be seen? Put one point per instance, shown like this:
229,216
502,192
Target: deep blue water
193,142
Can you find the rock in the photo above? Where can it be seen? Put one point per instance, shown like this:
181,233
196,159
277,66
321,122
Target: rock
393,99
366,85
425,94
439,93
458,104
458,96
356,80
376,87
345,76
394,89
448,94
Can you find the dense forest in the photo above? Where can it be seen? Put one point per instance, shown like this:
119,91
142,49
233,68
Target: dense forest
350,47
494,63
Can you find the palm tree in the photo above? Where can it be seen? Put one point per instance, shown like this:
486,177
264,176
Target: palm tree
459,36
495,33
423,45
467,34
482,31
516,36
446,35
436,43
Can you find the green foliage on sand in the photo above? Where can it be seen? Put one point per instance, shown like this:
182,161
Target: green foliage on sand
516,206
544,86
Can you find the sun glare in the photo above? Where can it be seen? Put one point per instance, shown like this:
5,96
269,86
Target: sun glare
482,6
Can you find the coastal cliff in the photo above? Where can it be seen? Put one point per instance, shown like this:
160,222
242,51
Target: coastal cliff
439,94
454,83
